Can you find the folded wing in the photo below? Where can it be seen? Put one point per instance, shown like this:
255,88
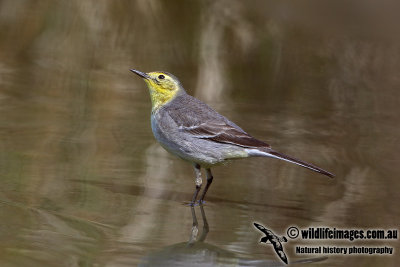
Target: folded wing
222,132
201,121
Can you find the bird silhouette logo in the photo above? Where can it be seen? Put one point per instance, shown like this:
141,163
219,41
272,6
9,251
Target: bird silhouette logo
273,239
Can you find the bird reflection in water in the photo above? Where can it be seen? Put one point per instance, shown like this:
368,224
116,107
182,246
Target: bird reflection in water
196,252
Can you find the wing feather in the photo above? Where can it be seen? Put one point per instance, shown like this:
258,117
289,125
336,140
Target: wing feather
223,134
201,121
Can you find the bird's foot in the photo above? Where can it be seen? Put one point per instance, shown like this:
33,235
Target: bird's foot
194,204
190,203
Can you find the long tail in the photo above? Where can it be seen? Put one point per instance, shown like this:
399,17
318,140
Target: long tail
274,154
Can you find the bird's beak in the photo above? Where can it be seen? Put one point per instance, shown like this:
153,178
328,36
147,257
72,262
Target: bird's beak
141,74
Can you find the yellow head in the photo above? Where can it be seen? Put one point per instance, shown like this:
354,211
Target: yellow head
163,87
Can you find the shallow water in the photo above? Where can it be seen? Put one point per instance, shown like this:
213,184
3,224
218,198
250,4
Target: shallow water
84,183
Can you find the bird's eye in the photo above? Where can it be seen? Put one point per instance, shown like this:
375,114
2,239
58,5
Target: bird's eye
161,77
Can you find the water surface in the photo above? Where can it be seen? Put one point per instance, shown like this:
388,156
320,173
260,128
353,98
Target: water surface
84,183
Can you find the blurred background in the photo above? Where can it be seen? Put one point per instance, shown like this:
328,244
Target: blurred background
84,183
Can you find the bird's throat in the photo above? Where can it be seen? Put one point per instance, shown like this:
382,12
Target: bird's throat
160,98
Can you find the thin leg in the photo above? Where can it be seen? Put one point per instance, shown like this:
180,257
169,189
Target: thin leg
195,228
198,183
209,181
205,225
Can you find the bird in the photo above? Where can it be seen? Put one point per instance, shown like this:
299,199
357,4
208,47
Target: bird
193,131
274,240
